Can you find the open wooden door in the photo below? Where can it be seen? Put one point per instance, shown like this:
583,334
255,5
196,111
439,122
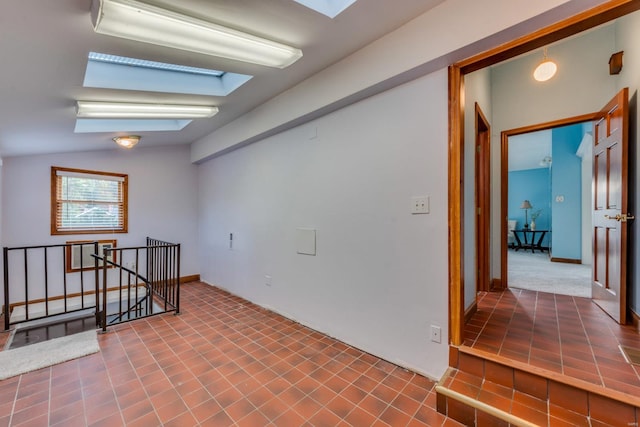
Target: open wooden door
610,167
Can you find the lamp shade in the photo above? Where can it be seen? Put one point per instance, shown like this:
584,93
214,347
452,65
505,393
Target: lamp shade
145,23
545,70
526,205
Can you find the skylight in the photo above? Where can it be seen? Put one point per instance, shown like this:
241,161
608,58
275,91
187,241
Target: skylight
128,125
123,60
331,8
119,72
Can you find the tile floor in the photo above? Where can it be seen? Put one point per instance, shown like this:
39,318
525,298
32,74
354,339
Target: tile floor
223,361
565,335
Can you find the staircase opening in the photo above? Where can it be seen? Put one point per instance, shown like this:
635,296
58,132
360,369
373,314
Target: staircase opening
44,299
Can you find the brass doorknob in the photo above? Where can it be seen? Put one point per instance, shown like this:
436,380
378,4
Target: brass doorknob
621,218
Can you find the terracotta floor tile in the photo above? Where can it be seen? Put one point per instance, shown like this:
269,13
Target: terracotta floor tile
240,409
171,410
395,417
353,394
416,392
221,419
374,406
573,418
564,335
289,418
66,413
406,404
384,393
340,406
222,362
137,410
255,418
307,407
526,412
274,408
495,400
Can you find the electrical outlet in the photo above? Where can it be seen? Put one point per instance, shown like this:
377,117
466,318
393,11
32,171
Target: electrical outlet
436,334
420,205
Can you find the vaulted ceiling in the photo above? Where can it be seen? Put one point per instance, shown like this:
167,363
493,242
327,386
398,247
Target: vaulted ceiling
44,47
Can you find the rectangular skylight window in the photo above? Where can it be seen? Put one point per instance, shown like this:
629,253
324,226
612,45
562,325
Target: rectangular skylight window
123,60
119,72
331,8
128,125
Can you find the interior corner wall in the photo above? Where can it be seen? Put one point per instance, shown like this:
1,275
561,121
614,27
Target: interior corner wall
477,88
581,86
162,198
586,160
532,185
627,37
379,279
566,193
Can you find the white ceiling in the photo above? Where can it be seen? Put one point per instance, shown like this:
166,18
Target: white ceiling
526,151
44,46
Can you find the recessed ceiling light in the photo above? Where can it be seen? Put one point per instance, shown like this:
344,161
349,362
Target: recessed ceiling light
145,23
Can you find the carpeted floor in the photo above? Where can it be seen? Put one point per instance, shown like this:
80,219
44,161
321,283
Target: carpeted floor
535,272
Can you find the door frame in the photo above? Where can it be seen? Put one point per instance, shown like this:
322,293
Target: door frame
582,21
504,175
482,199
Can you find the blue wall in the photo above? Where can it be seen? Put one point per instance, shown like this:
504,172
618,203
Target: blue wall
566,240
532,185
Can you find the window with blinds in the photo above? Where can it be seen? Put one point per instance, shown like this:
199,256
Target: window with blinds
85,201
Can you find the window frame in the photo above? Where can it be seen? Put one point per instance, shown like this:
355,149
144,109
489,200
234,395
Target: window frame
122,178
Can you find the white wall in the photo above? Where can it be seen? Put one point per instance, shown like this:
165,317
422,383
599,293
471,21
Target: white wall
162,198
477,88
451,31
379,279
582,85
585,152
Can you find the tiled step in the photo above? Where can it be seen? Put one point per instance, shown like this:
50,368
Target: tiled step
479,391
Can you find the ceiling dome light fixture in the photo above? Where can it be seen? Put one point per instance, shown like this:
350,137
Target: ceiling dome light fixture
546,69
128,141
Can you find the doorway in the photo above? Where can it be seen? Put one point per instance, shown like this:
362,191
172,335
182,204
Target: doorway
457,72
482,198
547,172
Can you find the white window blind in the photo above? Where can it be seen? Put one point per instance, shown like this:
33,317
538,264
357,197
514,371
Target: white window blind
88,202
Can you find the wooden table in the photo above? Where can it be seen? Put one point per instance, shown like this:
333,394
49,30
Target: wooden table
526,239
